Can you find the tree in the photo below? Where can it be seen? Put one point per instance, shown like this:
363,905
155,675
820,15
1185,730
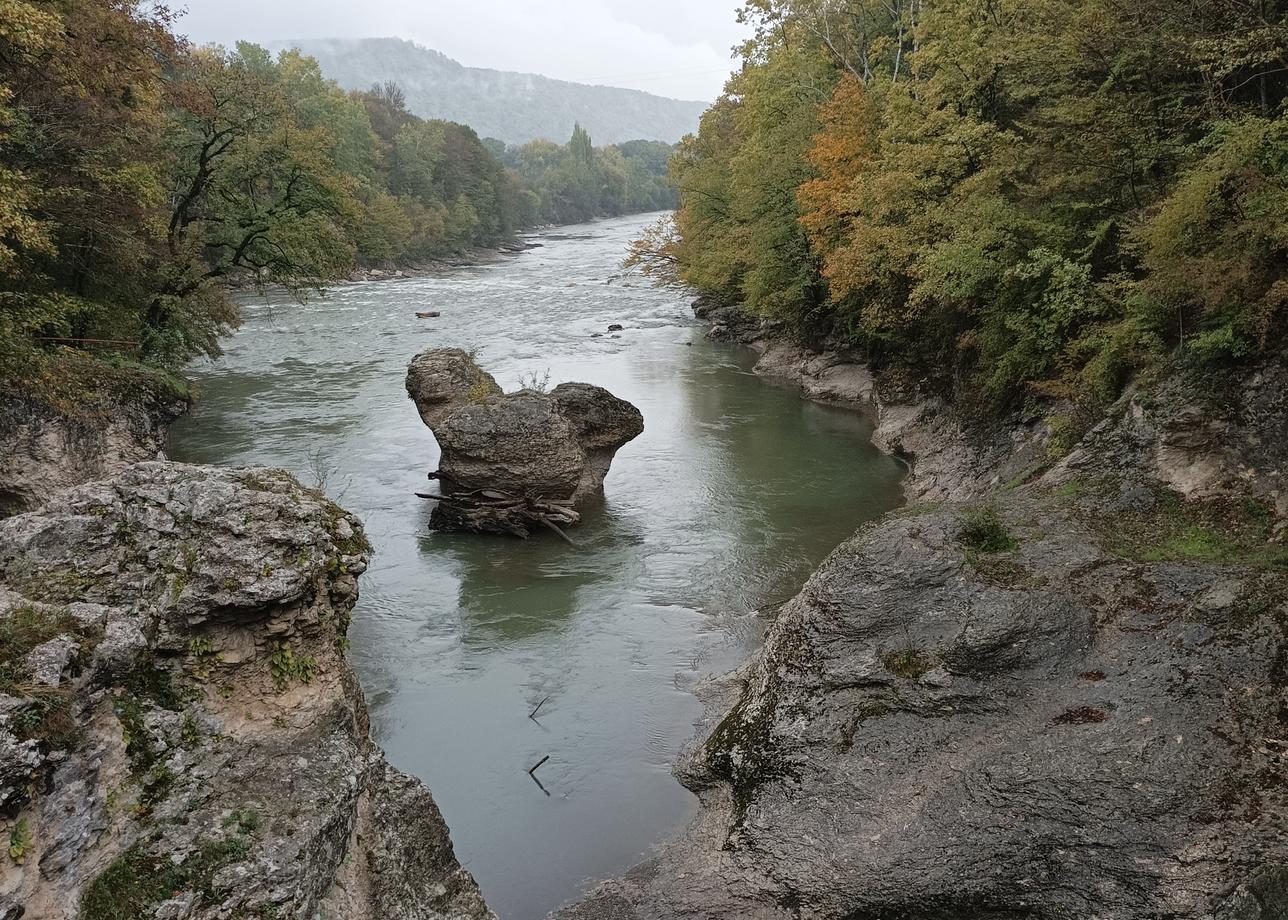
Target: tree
254,194
80,116
1015,197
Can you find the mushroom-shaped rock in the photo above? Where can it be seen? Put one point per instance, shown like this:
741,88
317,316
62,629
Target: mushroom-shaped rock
514,461
445,379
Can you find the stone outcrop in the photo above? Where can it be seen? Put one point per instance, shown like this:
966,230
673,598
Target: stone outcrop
511,460
1220,435
443,380
1058,698
181,735
1061,730
45,447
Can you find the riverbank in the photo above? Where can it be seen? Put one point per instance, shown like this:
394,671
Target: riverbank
971,710
181,734
478,256
1053,693
733,494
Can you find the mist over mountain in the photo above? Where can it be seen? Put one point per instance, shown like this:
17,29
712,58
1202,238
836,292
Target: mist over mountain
514,107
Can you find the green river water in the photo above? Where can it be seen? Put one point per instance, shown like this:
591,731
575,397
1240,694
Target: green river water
735,491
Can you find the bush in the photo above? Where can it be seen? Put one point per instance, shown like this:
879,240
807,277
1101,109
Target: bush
982,531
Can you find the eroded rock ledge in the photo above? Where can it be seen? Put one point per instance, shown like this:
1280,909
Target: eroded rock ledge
1060,697
50,444
181,735
513,462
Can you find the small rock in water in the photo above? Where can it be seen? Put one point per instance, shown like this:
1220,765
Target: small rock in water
616,327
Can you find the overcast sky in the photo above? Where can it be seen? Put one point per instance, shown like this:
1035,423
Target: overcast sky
677,48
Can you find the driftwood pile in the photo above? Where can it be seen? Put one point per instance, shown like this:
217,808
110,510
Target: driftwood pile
495,511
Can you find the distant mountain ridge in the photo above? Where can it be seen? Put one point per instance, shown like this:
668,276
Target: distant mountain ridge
514,107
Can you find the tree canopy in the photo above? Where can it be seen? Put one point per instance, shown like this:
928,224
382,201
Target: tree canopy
142,180
1011,196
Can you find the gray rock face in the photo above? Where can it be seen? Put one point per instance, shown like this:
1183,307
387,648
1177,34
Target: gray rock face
44,449
520,444
1073,709
1053,732
729,323
1203,437
211,756
444,380
552,447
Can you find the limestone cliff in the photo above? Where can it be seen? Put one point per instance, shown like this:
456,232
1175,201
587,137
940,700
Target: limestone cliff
93,421
1055,695
181,735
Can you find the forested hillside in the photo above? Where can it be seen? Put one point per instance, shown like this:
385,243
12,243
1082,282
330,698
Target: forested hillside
1010,197
142,178
514,107
571,181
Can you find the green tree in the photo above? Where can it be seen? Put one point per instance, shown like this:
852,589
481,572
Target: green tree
255,195
1014,197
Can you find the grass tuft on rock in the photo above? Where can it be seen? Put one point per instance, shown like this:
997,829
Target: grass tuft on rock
46,712
1222,530
908,662
982,531
132,886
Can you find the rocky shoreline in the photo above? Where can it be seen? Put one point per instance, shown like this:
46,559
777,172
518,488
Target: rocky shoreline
1052,686
181,734
480,256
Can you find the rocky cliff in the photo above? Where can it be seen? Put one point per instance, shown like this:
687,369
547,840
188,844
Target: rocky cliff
1057,695
181,735
92,421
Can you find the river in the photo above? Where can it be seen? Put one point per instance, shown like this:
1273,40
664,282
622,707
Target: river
735,491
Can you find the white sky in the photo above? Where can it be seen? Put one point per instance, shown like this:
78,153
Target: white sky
679,48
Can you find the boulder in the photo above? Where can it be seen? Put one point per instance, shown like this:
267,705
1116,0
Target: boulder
207,753
517,460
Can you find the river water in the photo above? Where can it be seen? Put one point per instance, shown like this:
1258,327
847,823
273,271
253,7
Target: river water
735,491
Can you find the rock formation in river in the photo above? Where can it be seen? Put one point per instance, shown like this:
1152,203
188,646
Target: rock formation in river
1064,698
181,735
511,461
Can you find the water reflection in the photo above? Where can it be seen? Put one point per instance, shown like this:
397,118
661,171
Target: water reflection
508,596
